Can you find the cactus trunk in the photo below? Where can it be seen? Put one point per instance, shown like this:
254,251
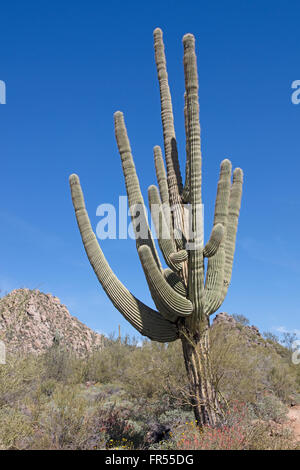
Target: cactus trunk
202,394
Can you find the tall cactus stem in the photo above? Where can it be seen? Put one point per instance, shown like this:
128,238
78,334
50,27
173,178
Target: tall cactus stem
183,294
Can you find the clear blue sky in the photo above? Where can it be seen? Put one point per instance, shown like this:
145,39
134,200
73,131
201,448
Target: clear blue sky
68,66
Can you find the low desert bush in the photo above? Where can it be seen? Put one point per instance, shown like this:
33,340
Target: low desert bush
128,396
58,364
18,378
237,432
15,430
269,407
244,370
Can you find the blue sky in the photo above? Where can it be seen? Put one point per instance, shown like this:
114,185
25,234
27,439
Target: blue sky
68,66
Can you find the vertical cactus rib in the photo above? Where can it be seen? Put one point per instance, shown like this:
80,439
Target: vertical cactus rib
171,153
174,303
163,187
232,223
186,189
161,175
196,267
170,144
145,320
192,109
134,194
166,243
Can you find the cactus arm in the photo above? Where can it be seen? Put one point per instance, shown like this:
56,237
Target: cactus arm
227,210
179,256
175,282
214,282
213,288
161,175
170,144
164,190
223,194
166,243
196,265
171,154
232,223
186,189
145,320
192,111
174,303
214,242
132,183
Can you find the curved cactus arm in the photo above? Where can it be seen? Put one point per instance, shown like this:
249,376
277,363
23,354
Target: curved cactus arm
161,175
232,223
167,314
217,261
223,194
145,320
179,256
165,241
135,198
164,191
196,265
186,189
172,302
175,282
213,244
214,282
227,210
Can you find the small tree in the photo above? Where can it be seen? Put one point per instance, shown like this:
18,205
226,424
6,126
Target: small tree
183,297
288,340
241,319
271,336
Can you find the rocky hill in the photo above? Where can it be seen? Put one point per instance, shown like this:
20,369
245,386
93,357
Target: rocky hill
30,321
250,334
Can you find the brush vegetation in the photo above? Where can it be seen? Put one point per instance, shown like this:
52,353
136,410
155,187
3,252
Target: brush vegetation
130,396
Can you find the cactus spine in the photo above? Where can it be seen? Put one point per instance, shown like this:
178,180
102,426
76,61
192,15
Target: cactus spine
184,297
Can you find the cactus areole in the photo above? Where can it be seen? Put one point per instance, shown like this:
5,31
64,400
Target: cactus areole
185,294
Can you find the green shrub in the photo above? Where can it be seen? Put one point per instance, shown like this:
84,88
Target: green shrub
15,429
18,378
58,363
64,420
244,370
121,396
269,407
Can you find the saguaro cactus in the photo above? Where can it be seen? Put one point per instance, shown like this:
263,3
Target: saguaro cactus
183,295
